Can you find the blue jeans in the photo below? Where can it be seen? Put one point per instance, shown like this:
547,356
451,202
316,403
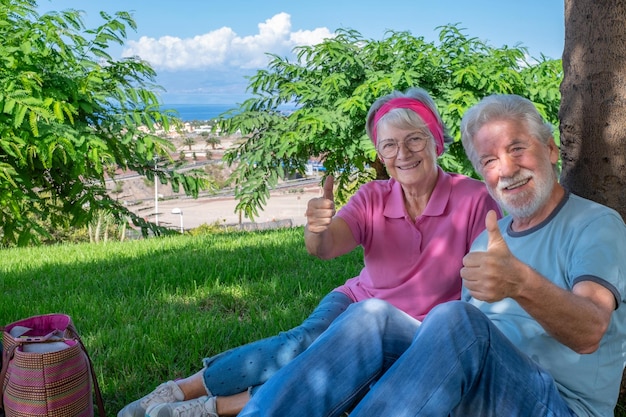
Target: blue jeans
455,363
248,366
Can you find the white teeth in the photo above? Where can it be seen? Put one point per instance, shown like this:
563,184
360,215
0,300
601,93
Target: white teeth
410,166
517,184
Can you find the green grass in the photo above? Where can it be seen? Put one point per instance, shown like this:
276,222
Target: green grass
150,310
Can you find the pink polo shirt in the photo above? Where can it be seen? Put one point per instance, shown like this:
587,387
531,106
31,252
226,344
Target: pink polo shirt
414,265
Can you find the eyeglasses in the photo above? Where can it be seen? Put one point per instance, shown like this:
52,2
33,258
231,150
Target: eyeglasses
389,148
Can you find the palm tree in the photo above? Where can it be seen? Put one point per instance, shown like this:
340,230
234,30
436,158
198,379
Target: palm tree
189,141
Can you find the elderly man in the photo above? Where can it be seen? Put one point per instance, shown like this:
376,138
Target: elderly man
540,331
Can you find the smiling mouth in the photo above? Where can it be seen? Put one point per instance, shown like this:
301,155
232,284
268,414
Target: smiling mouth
517,184
410,166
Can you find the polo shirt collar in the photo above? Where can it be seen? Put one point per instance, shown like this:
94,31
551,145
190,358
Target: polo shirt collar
394,206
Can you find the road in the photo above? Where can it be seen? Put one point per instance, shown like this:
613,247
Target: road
286,204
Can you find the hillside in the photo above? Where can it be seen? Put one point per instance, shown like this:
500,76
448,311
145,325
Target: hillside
287,203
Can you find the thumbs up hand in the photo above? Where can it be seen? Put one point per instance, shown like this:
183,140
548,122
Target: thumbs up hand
495,241
320,210
492,275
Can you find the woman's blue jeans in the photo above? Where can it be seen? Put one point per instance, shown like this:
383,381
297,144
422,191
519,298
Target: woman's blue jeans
455,363
250,365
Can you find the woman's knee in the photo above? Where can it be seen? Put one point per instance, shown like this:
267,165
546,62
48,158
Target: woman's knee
370,309
331,307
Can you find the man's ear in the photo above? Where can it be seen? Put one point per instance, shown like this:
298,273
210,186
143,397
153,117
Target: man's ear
554,151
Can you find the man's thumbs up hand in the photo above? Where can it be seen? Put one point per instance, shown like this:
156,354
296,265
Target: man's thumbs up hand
490,275
320,210
495,239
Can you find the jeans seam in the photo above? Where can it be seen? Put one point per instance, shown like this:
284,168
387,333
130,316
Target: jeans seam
340,408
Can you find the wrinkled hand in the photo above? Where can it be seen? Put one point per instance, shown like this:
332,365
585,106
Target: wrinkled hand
320,210
491,276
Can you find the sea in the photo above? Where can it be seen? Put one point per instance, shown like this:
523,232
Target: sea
199,112
202,112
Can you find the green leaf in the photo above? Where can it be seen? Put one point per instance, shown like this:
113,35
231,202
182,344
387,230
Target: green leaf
66,119
333,84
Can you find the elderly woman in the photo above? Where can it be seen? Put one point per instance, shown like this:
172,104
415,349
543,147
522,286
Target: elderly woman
414,228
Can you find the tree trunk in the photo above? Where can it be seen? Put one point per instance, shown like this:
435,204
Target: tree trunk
593,105
381,171
593,101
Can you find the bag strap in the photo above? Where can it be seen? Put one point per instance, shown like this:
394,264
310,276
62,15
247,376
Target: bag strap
7,355
94,379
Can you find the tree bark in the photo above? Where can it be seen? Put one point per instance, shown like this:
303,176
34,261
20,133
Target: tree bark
593,101
593,106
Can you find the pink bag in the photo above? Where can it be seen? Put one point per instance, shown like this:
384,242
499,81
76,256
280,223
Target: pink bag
46,370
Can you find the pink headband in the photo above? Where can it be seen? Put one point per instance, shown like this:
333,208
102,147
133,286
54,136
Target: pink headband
418,107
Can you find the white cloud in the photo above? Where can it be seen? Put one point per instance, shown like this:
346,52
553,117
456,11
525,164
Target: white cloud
223,48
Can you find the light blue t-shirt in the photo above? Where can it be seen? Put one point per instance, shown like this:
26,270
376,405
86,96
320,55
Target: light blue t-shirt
581,240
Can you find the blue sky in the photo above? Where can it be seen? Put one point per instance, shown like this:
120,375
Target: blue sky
203,49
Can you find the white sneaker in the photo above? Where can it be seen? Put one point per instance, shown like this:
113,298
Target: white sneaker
167,392
199,407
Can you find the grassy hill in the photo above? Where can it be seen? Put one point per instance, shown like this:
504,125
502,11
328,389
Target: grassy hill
150,310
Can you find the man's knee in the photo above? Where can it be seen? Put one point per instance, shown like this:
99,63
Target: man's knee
454,311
